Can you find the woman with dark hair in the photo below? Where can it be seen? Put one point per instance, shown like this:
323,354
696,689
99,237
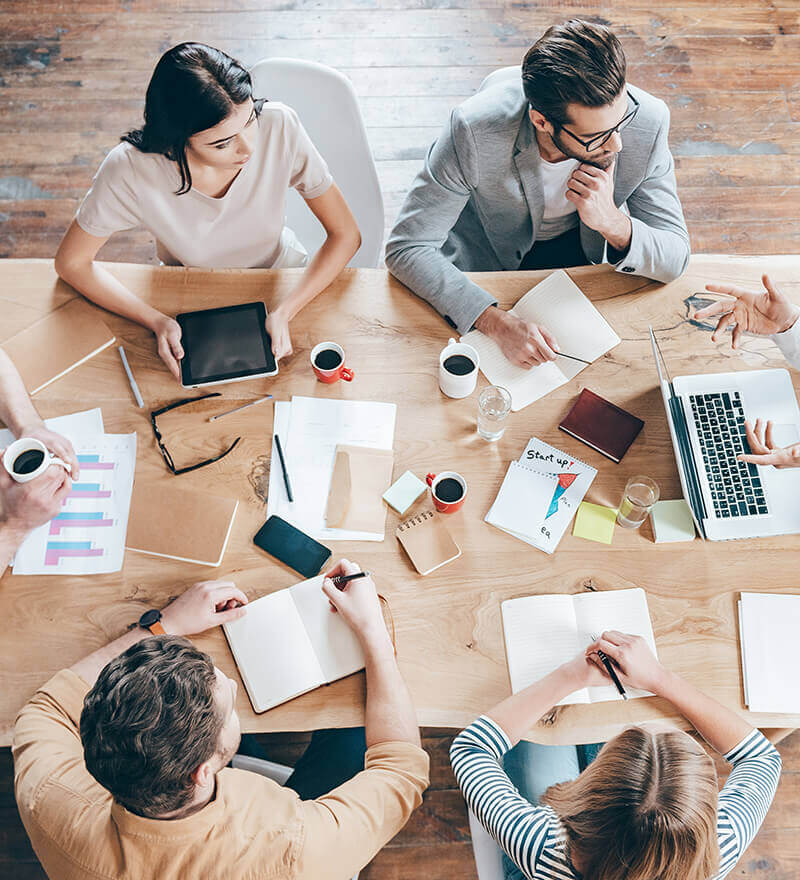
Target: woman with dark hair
207,175
646,807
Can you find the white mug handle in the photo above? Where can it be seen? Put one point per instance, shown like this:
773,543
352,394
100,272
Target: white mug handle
53,459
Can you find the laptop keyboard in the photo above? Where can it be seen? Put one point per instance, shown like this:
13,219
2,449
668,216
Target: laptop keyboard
736,488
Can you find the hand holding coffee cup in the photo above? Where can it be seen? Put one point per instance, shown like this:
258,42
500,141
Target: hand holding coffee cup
458,369
28,505
448,490
327,360
27,458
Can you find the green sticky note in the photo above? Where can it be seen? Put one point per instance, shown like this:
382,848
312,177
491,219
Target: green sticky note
672,521
595,522
404,492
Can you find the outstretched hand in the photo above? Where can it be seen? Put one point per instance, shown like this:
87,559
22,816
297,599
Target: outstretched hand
763,450
759,312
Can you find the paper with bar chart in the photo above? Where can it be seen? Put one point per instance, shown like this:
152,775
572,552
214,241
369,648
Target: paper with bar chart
88,535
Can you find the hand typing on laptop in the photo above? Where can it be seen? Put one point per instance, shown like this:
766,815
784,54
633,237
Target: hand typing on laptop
764,451
759,312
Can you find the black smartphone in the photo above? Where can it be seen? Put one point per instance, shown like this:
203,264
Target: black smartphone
292,547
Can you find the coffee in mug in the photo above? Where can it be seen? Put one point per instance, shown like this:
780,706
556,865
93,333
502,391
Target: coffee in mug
448,490
27,458
458,369
327,361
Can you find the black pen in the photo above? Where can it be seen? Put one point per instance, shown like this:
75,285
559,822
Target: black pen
340,581
283,468
573,358
610,669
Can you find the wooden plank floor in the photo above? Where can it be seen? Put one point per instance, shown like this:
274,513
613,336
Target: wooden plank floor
72,78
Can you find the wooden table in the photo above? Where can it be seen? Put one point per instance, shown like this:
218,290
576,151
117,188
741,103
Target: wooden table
449,635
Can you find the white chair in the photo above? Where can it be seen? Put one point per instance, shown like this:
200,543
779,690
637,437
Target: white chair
326,103
276,772
488,855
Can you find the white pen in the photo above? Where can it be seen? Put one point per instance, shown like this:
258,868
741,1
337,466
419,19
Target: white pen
134,386
243,406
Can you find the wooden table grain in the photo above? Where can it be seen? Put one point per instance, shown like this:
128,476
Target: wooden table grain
449,633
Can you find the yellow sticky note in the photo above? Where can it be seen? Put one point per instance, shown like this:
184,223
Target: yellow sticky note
595,522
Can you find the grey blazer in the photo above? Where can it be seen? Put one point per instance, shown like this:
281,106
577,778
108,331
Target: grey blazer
476,204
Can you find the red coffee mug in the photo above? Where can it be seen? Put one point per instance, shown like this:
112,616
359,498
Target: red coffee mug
340,371
433,480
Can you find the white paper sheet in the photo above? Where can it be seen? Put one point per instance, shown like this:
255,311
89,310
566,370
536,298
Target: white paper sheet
558,304
88,423
310,429
88,536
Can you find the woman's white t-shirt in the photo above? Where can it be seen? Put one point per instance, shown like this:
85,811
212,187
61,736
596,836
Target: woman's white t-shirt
242,229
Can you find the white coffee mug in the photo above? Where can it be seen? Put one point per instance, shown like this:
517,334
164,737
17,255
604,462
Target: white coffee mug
454,385
27,458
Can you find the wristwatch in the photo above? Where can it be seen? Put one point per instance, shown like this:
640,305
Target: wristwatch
152,620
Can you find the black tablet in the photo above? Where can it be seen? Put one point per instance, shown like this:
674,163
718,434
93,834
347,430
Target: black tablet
225,345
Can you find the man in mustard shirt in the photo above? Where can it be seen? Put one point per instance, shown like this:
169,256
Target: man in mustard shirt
120,762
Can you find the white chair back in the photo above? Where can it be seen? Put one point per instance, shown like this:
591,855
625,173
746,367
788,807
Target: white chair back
501,75
326,103
488,855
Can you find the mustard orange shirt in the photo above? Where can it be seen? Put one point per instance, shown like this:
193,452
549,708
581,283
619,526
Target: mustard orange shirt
253,828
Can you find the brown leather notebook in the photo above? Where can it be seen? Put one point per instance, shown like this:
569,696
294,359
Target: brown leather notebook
602,425
58,343
166,520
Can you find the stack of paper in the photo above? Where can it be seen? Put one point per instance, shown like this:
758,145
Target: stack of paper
88,536
310,429
768,624
558,304
540,494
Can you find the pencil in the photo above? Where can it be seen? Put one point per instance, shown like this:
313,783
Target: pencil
134,386
573,358
610,669
283,468
341,580
237,408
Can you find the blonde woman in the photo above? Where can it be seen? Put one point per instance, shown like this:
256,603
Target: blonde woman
647,807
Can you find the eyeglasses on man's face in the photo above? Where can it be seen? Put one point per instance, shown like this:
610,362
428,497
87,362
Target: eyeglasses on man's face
597,141
163,449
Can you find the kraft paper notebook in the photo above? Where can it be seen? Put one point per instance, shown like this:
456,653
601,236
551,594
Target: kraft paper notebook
427,541
542,632
56,344
289,643
768,626
560,305
179,523
360,477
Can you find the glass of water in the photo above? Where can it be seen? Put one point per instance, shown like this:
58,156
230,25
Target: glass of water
494,405
640,494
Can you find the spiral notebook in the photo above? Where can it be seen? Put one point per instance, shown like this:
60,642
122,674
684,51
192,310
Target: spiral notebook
540,495
427,541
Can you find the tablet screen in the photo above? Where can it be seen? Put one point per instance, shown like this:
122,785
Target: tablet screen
227,343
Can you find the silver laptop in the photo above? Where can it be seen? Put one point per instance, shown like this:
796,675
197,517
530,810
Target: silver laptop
706,415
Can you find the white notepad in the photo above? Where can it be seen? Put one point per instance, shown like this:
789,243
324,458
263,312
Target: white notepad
768,624
290,642
559,305
542,632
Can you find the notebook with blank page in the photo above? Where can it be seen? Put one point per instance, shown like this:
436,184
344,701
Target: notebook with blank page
542,632
289,643
768,626
560,305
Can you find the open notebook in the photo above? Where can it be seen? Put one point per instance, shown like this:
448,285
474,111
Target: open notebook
768,624
542,632
559,305
290,642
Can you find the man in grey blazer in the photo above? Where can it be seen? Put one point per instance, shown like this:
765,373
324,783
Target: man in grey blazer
530,173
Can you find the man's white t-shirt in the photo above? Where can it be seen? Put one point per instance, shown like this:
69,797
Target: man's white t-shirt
242,229
560,215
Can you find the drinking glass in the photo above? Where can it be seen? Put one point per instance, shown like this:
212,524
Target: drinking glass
494,405
640,494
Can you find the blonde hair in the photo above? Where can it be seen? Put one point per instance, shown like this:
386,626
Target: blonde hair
645,809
